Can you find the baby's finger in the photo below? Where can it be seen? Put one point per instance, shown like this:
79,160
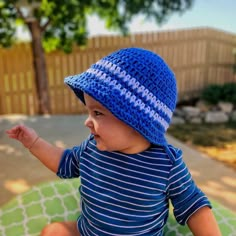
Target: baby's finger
20,134
13,135
10,132
14,132
13,129
24,130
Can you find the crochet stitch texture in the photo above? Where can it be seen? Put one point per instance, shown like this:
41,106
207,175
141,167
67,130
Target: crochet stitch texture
136,85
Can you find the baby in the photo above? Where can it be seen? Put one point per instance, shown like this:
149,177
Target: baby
128,170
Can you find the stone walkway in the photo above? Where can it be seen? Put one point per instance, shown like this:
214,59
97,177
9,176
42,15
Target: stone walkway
20,170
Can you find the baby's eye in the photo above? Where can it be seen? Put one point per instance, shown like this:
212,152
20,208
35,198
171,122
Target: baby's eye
97,113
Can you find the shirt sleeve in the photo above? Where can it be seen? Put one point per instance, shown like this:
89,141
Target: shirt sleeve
185,196
69,163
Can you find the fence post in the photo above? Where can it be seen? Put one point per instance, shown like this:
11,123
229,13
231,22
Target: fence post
207,58
2,85
234,60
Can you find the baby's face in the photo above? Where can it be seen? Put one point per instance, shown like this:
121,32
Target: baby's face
110,133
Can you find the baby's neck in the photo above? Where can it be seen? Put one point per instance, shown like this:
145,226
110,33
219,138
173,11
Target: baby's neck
141,147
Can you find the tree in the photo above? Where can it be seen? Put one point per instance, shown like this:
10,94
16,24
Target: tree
58,24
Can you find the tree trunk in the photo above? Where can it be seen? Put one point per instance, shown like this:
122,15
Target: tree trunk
40,71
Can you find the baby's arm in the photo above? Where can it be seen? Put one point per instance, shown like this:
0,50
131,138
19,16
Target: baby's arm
203,223
48,154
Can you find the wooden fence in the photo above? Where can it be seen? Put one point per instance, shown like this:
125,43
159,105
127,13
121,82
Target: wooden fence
198,57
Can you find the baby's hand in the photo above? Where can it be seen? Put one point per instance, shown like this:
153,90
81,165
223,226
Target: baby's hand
24,134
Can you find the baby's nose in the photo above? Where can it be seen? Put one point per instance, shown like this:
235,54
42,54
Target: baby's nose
88,122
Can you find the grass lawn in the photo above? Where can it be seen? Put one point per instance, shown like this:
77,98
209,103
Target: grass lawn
218,141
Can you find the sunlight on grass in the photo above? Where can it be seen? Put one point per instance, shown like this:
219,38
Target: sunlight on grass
222,154
218,141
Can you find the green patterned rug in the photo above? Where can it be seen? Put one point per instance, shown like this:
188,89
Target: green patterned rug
29,212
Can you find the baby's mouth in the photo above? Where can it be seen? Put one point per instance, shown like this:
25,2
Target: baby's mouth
95,135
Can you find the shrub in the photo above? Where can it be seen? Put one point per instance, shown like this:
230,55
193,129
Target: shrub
229,92
211,94
214,93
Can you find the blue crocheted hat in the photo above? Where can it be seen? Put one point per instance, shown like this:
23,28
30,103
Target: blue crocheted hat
136,85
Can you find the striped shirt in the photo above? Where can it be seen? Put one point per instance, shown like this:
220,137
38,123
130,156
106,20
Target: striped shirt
128,194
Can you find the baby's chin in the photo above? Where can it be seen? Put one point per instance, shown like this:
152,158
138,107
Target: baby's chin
100,146
103,148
